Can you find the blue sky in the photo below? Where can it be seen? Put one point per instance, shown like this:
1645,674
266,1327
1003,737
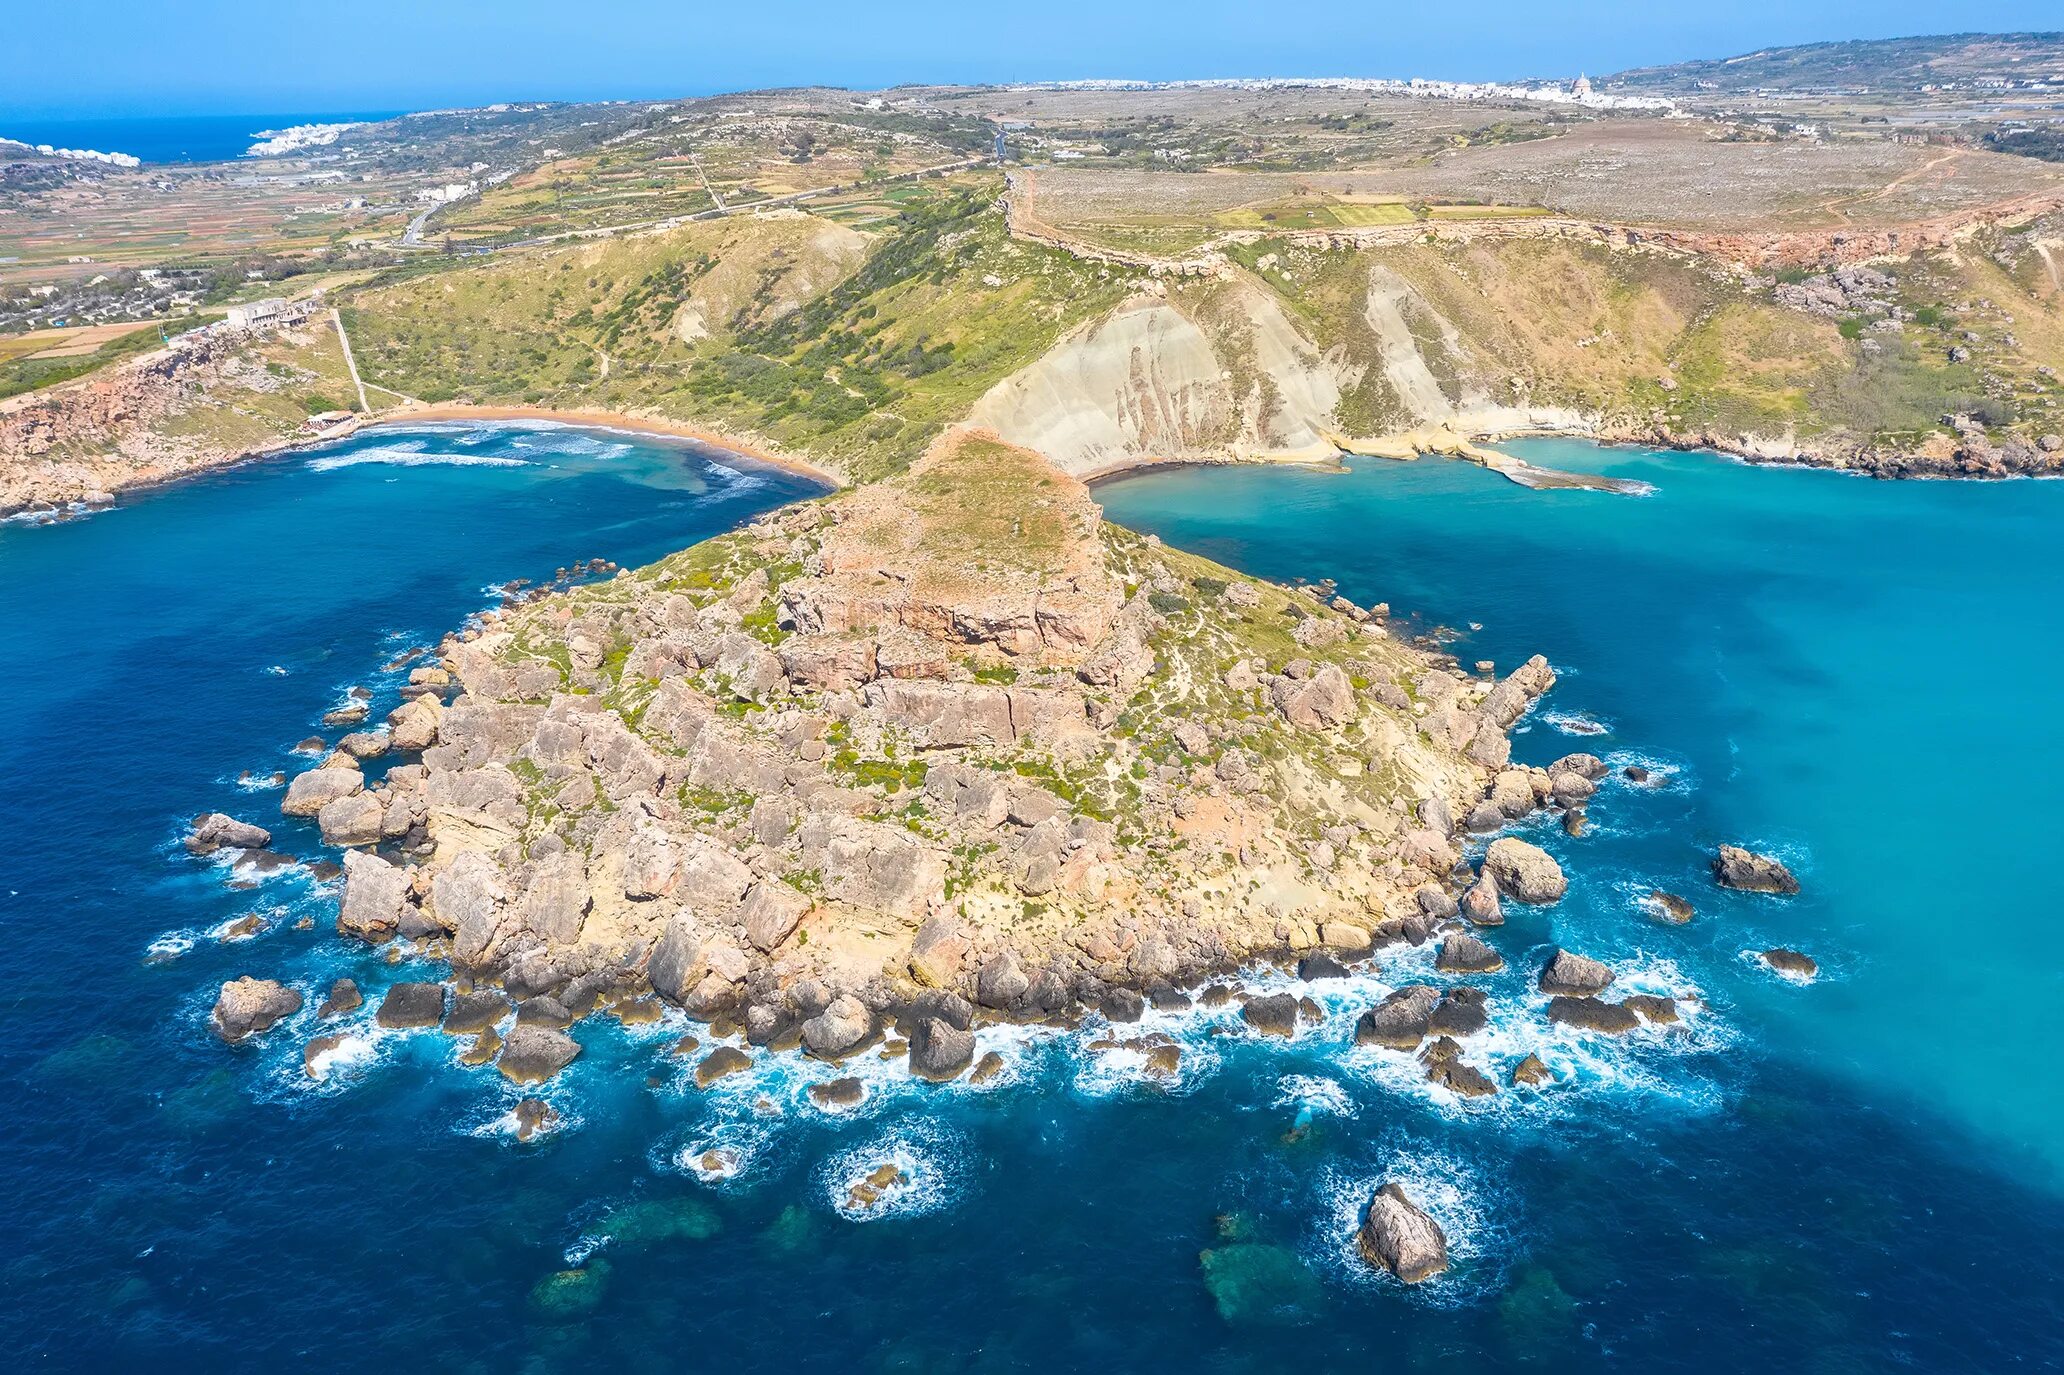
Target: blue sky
126,57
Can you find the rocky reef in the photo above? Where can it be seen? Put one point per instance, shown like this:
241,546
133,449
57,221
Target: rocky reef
938,749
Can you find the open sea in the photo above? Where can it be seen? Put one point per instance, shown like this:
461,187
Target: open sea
166,138
1861,1173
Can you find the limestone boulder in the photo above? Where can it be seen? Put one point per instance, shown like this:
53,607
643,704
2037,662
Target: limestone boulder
771,912
533,1054
1399,1021
1398,1236
375,896
246,1006
939,1050
359,819
842,1028
310,792
1524,871
214,831
1749,872
1463,953
1574,975
1323,701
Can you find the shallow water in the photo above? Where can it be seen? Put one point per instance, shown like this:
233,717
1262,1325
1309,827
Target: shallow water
1845,1176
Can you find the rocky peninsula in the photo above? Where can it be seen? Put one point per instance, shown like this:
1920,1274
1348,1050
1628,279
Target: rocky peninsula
938,750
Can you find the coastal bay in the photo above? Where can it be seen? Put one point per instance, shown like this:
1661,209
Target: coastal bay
1232,1190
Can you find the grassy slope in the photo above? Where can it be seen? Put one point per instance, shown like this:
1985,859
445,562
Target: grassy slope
865,373
1600,330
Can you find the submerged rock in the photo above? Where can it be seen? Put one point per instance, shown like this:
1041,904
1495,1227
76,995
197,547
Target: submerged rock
247,1006
570,1295
1397,1235
1670,908
1750,872
1254,1284
1526,872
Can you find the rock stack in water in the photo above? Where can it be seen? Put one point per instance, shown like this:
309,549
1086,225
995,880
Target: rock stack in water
1398,1236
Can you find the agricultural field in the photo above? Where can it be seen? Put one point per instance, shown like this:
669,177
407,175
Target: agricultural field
1675,174
44,357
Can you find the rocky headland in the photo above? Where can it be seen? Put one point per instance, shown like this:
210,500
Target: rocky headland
937,750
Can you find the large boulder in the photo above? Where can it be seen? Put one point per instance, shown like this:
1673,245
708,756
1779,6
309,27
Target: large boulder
310,792
938,952
1324,700
1398,1236
1523,871
840,1029
375,894
533,1054
1463,953
1273,1015
412,1005
1750,872
678,963
1002,982
355,820
247,1006
1592,1014
1480,903
771,912
413,724
215,831
1574,975
1399,1021
940,1050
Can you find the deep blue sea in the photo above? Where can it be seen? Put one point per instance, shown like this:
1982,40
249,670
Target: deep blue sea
166,138
1861,1173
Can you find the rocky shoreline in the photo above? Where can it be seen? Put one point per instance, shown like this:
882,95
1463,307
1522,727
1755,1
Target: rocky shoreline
889,766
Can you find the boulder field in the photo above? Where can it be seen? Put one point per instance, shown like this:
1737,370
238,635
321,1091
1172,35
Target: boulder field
943,744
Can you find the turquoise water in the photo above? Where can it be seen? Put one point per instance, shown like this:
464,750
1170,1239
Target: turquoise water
1853,1175
1856,675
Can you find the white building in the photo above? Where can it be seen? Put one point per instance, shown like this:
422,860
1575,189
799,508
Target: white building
258,314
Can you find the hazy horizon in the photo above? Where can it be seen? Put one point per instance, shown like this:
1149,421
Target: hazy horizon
230,57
